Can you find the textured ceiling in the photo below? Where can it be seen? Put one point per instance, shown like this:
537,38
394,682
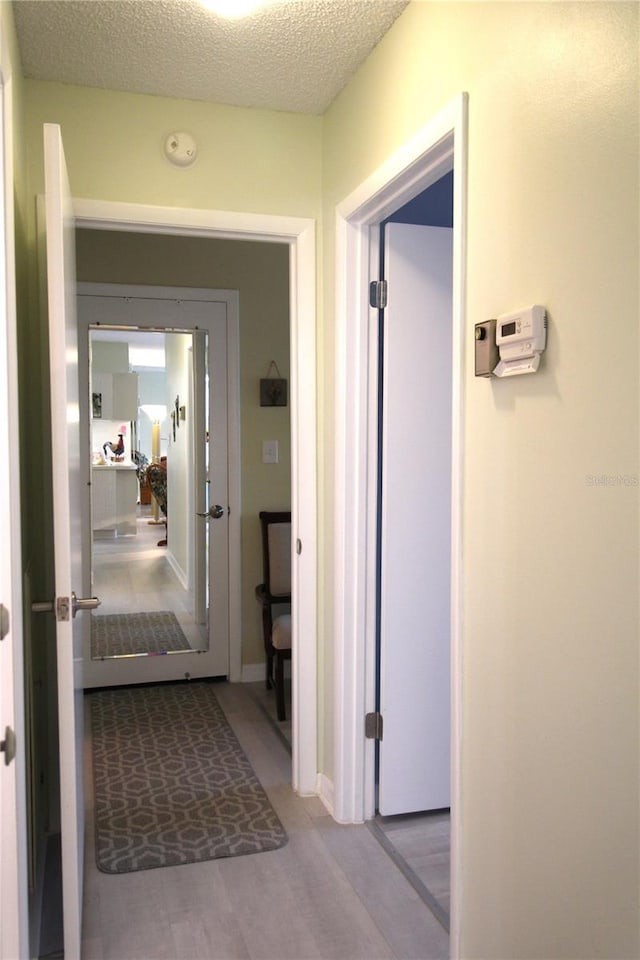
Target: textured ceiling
292,55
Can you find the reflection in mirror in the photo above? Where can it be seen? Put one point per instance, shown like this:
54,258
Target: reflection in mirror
148,435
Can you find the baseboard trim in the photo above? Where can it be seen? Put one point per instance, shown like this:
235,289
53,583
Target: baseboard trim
255,672
326,791
179,572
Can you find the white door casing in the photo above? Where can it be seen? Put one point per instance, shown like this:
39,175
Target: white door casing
415,541
215,311
198,400
65,437
437,148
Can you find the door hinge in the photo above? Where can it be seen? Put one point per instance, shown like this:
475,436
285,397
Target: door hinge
8,746
373,726
378,292
5,621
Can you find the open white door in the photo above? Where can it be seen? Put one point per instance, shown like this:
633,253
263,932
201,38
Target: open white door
13,940
415,567
13,814
67,528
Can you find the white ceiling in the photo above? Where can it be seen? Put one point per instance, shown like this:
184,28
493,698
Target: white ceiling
292,55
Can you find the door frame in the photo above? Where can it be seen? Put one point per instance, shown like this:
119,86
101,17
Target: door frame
299,234
435,149
151,669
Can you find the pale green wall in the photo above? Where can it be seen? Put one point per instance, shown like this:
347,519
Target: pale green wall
260,274
550,621
255,160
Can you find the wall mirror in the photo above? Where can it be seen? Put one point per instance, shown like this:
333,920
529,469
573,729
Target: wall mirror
148,436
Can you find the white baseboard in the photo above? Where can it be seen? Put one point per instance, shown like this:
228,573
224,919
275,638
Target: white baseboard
326,792
177,569
253,672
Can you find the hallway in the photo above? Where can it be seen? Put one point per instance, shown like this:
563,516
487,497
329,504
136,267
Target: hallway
331,892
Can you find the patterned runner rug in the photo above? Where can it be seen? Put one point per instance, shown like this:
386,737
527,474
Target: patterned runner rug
118,634
172,783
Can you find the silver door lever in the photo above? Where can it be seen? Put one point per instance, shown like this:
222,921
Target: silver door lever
60,606
214,512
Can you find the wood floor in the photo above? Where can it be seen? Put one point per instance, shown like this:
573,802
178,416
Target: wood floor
419,843
372,891
331,893
133,574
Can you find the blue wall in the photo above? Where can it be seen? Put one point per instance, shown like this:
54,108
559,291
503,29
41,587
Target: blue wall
431,208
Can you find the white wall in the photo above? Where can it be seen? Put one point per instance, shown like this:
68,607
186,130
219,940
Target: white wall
107,357
151,389
180,508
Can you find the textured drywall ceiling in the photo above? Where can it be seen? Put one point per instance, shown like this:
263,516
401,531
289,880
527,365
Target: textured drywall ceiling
294,55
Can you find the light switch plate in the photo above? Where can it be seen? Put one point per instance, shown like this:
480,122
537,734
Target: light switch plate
269,451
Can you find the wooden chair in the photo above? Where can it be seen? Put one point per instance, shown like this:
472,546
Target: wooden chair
273,592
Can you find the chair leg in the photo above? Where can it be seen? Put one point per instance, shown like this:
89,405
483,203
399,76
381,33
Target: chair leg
282,714
269,675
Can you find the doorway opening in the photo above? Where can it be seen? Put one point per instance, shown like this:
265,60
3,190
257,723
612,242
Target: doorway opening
436,150
412,773
299,236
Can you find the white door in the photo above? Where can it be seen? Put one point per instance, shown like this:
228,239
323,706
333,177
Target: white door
67,528
415,534
11,882
13,815
172,310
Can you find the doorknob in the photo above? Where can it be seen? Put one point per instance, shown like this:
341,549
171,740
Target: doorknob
86,603
214,512
61,606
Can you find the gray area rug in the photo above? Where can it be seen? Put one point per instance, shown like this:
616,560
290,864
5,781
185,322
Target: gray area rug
119,634
172,783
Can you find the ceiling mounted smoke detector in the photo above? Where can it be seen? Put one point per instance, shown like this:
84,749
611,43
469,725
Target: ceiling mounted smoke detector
180,149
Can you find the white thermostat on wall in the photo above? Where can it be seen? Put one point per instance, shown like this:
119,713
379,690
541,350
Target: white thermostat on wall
521,337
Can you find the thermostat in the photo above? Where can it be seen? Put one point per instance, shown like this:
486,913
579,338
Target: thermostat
520,337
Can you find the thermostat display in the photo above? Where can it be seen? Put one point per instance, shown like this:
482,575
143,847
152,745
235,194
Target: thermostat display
521,337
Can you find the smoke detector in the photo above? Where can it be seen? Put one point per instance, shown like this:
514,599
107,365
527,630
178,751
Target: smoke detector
180,149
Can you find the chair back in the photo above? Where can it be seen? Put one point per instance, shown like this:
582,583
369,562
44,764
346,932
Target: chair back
276,552
157,477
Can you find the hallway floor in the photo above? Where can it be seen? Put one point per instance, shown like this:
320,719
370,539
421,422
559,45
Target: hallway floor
418,843
331,893
133,574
